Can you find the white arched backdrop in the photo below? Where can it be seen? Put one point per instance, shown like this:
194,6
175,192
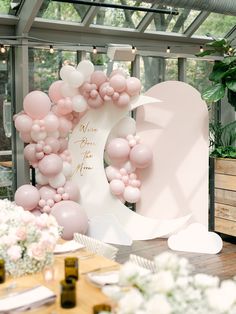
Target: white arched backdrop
174,122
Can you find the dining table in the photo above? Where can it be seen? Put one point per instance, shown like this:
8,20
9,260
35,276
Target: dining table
87,294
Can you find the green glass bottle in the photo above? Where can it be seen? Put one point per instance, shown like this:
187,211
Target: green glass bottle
72,268
98,308
2,271
68,293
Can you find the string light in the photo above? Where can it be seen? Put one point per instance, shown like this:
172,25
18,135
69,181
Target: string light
95,49
51,50
4,61
168,49
134,49
201,49
2,48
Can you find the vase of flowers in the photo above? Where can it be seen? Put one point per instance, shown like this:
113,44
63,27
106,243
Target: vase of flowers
27,241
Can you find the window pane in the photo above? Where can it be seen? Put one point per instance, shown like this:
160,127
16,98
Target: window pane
173,23
120,17
5,6
217,25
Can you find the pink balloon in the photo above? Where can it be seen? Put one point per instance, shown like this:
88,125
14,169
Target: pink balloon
47,192
95,102
117,187
98,78
73,191
111,173
27,196
64,125
37,104
51,122
64,106
29,153
53,143
133,86
23,123
119,71
63,144
103,89
25,136
123,100
50,165
141,156
71,217
118,149
118,82
54,91
131,194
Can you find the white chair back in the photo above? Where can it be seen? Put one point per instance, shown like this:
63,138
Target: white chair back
143,262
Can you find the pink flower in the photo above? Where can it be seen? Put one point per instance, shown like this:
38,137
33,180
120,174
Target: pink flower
21,233
35,250
14,252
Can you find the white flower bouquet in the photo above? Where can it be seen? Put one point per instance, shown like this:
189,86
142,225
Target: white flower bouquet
171,290
27,241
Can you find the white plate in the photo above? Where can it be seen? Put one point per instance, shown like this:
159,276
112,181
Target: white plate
69,246
100,279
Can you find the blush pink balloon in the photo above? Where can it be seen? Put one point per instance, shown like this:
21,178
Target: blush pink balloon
133,86
103,89
53,143
64,125
50,165
51,122
71,216
30,152
131,194
27,196
118,149
54,91
37,104
98,78
47,192
63,144
123,100
23,123
111,172
118,83
72,190
95,102
117,187
141,156
26,137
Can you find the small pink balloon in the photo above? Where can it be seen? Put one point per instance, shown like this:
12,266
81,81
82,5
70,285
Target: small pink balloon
65,196
23,123
29,153
39,155
53,143
123,100
51,122
42,203
103,89
132,194
95,102
98,78
118,149
125,179
111,172
117,187
54,91
72,190
141,156
46,193
25,137
36,212
133,86
47,149
64,125
93,93
37,104
57,198
64,107
27,196
50,165
71,216
118,83
50,202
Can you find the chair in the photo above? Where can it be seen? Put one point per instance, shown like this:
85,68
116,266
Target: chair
96,246
143,262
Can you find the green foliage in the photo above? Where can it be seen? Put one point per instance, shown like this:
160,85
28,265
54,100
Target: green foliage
4,6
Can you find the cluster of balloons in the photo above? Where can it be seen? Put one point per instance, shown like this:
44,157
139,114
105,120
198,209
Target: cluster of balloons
44,125
125,154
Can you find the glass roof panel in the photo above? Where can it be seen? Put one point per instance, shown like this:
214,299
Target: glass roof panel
55,10
5,6
120,17
173,23
216,25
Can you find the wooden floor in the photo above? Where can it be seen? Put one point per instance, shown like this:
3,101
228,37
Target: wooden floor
222,264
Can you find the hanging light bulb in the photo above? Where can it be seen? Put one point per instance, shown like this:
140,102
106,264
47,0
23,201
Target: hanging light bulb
201,49
2,48
168,49
134,49
4,61
95,49
51,50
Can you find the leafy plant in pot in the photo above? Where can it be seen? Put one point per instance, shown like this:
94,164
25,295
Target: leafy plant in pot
223,75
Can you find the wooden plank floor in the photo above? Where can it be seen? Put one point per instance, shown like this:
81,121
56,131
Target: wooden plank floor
222,264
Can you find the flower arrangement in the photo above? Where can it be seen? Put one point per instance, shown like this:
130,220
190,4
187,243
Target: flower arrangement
27,241
171,290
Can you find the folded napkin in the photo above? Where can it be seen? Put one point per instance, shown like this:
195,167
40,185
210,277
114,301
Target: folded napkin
104,278
68,246
26,299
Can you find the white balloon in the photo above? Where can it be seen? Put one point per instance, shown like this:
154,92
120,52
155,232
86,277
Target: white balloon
68,91
54,134
40,178
75,79
126,126
65,71
67,169
86,67
38,135
57,181
79,103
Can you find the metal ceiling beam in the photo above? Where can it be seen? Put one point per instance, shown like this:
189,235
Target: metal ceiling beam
27,15
142,26
196,23
90,15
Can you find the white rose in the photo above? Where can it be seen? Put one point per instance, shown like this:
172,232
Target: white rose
158,304
131,302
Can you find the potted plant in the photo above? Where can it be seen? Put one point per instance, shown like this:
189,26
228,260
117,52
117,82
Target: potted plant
223,75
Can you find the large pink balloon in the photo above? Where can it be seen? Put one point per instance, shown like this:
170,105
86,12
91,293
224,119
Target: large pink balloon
29,152
23,123
71,217
72,189
117,187
118,82
118,149
37,104
27,196
47,192
50,165
141,156
54,91
98,78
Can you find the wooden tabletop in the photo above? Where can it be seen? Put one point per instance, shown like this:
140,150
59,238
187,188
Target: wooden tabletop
87,294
